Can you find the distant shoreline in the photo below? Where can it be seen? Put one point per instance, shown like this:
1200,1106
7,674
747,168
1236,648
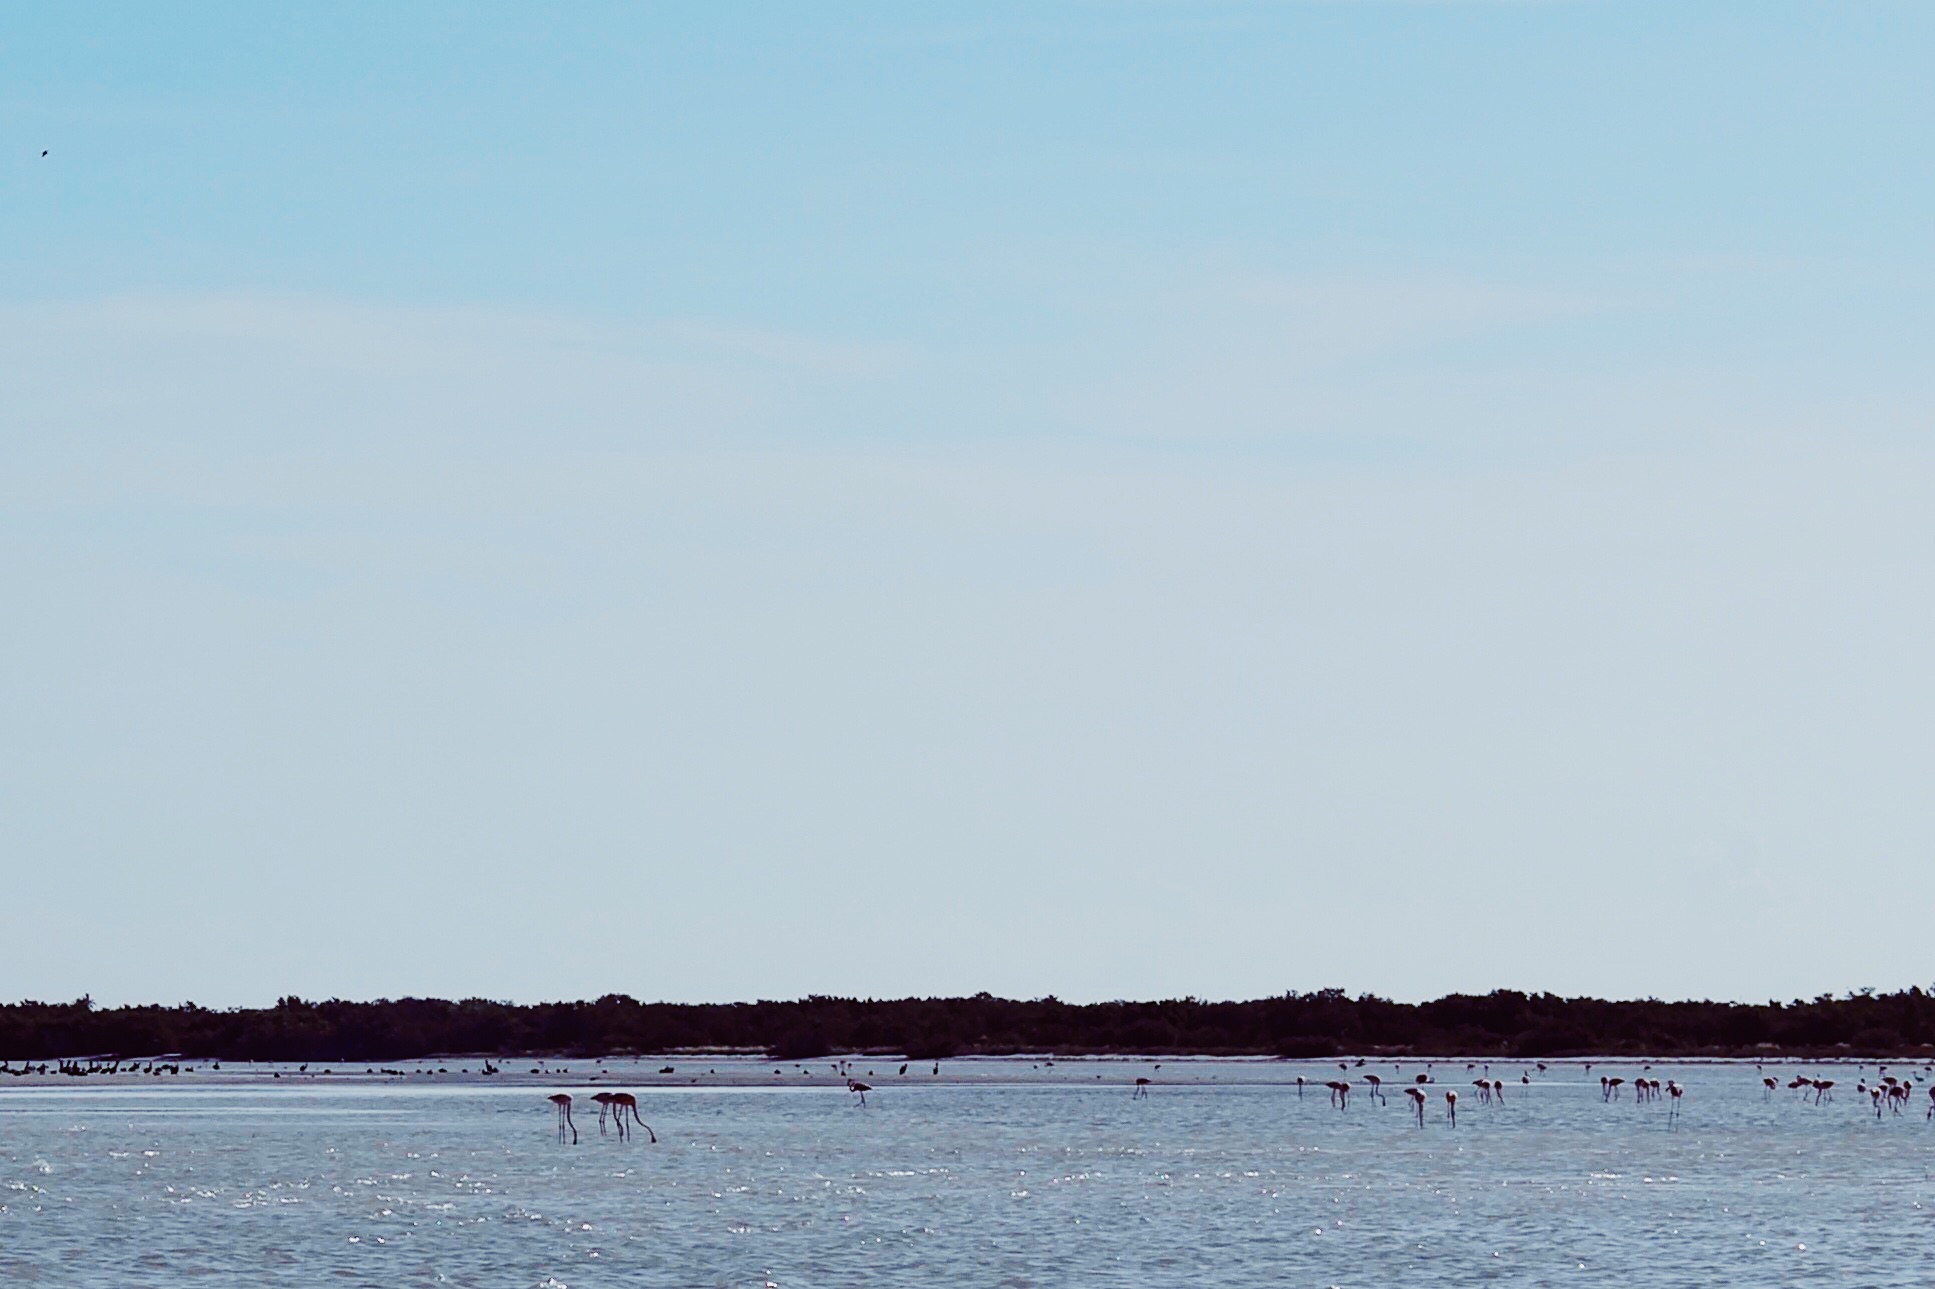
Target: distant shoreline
672,1073
1324,1025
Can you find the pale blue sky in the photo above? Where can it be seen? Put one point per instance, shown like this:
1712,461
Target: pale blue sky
1109,499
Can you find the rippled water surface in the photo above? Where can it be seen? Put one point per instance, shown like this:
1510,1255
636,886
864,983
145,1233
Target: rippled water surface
996,1173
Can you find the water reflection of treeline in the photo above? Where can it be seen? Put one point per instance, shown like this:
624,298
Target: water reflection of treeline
1323,1023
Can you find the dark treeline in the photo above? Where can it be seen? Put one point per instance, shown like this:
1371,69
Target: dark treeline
1324,1023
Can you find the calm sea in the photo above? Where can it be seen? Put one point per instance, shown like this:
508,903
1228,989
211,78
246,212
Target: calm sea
996,1173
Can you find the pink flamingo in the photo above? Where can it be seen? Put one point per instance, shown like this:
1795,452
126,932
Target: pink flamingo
563,1103
621,1102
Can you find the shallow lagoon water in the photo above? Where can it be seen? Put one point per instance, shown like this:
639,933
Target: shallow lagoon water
997,1173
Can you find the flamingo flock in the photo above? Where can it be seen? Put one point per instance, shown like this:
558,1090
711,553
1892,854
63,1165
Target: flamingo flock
1887,1094
616,1104
1822,1089
612,1105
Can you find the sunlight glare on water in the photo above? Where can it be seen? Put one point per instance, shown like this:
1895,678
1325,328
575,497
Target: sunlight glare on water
1006,1174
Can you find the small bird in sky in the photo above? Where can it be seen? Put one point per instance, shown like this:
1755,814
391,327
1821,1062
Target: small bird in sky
43,152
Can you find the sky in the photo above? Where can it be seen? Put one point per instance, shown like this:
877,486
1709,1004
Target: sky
1113,499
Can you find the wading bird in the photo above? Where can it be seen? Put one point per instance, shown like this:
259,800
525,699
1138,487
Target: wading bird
860,1089
604,1109
563,1103
623,1101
